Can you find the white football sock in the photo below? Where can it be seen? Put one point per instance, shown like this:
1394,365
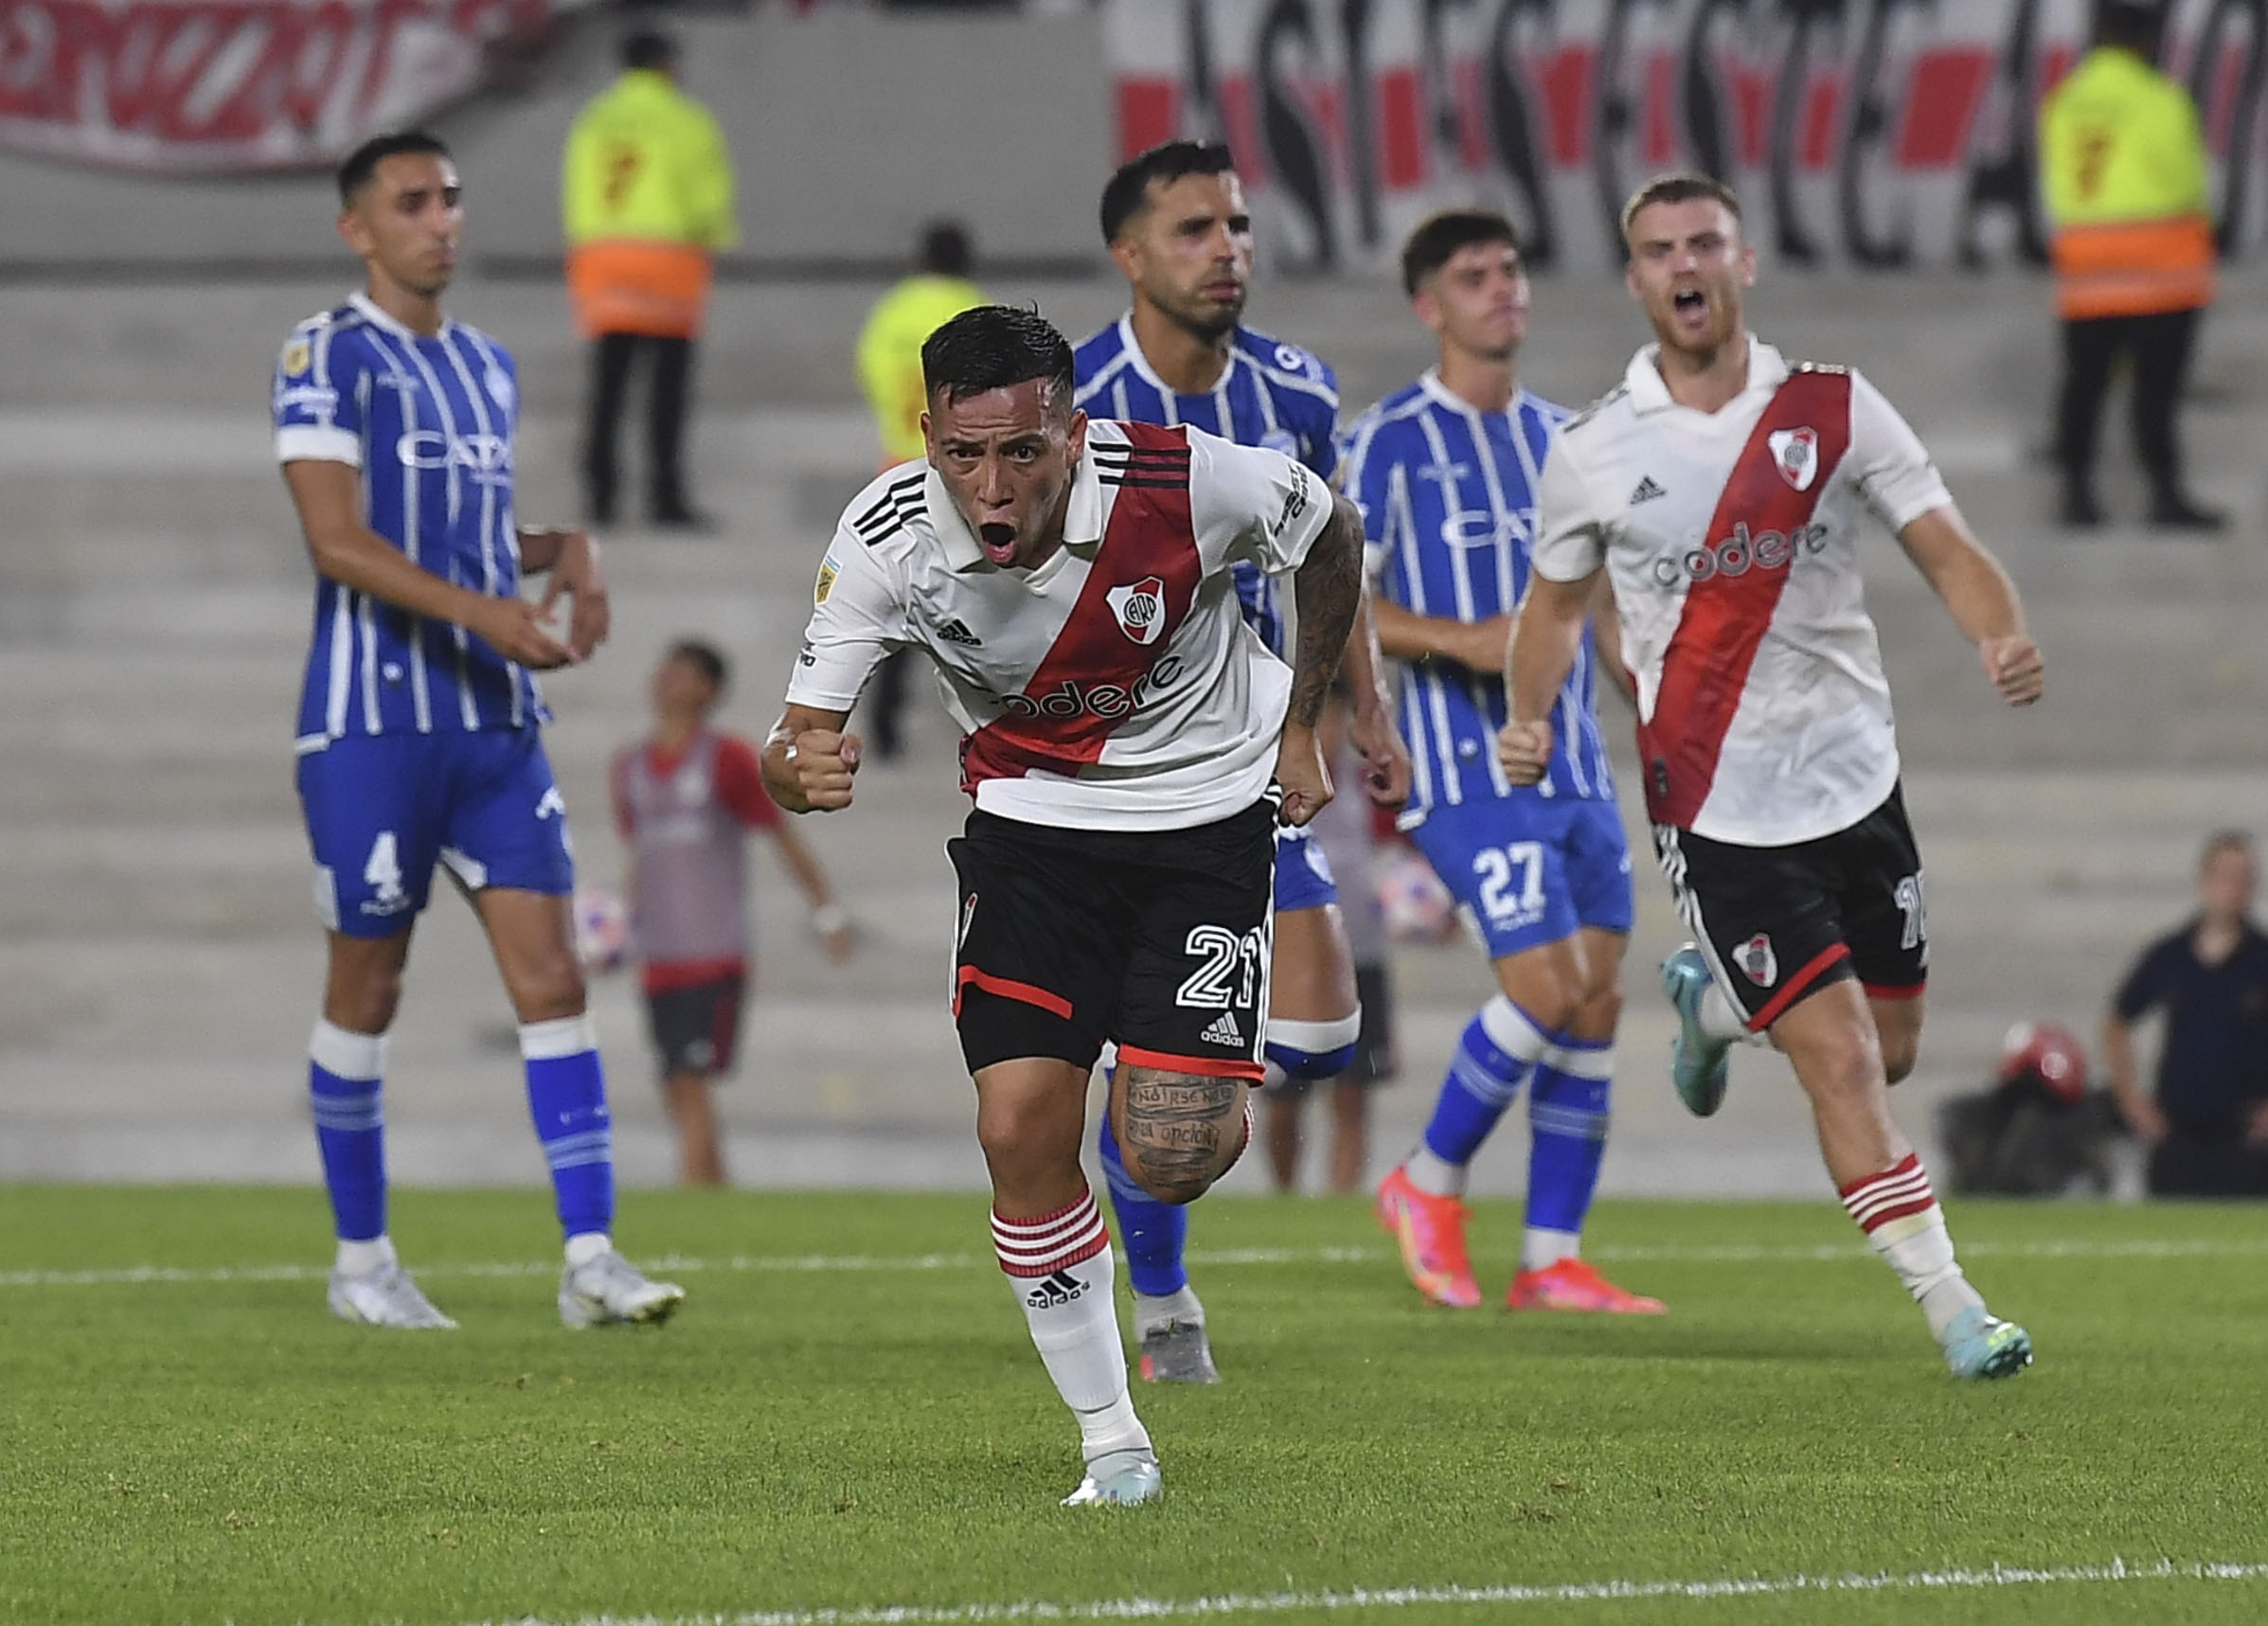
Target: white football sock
1899,1214
360,1259
1063,1270
1540,1249
584,1246
1434,1174
1720,1017
1151,1314
1924,1262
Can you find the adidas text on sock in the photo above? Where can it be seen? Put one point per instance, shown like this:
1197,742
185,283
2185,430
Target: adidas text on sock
1061,1268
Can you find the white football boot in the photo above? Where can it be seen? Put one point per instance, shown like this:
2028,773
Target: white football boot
1121,1479
609,1290
384,1298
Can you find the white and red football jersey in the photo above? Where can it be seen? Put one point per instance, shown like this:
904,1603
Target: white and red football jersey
1115,687
1731,538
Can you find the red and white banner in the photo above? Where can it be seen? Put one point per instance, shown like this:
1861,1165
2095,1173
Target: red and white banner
1871,132
226,86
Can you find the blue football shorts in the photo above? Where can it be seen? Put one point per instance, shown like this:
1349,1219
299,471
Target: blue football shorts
381,811
1303,878
1527,870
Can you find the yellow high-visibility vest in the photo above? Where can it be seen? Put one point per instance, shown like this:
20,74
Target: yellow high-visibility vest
646,199
2122,168
889,355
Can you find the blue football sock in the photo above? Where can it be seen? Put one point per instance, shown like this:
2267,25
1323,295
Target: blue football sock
1150,1234
1492,1058
1567,1114
567,1095
343,1074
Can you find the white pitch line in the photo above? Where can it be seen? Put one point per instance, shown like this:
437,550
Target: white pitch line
1824,1253
2115,1572
2132,1247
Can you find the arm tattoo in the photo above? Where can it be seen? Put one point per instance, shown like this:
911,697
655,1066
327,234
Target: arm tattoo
1328,590
1180,1130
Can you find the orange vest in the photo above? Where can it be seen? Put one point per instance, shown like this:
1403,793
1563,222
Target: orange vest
2133,268
2123,174
624,286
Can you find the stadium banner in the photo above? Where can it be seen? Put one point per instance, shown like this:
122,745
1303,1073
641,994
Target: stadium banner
1875,134
187,87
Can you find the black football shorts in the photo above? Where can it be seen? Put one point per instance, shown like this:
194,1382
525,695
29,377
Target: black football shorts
1156,941
1779,923
697,1030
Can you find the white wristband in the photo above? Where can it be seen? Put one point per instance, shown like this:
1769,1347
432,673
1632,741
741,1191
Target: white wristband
828,918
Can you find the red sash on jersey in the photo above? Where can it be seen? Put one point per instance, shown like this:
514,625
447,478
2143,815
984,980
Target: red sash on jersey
1771,494
1087,683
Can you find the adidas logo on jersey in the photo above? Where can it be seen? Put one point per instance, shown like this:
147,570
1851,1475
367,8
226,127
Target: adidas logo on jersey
1054,1292
1648,489
1224,1031
956,632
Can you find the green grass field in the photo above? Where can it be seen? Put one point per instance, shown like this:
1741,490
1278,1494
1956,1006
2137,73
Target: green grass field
849,1416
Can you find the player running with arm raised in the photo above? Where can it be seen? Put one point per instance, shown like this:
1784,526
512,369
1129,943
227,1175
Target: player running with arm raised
1176,226
418,737
1130,746
1445,472
1717,488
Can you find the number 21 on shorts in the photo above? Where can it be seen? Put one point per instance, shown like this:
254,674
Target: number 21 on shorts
1231,961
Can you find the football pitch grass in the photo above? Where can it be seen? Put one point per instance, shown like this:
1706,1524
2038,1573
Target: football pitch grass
848,1422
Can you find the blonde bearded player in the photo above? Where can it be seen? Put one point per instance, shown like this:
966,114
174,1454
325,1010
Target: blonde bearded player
1717,488
1128,742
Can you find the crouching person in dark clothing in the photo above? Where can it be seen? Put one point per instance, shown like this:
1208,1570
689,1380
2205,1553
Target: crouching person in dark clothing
2039,1131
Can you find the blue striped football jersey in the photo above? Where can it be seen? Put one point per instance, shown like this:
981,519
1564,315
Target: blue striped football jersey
1271,394
1448,494
428,422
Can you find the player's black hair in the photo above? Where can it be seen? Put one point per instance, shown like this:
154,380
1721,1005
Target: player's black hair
649,49
1438,237
361,164
1127,193
1678,188
945,250
706,658
992,347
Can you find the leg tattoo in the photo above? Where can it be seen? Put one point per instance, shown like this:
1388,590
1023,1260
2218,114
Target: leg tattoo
1179,1131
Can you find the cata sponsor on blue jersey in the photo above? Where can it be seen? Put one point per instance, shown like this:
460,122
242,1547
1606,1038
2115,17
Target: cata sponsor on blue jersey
1270,394
1448,494
429,423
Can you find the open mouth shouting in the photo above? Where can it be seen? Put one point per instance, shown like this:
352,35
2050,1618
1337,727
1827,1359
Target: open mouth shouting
998,542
